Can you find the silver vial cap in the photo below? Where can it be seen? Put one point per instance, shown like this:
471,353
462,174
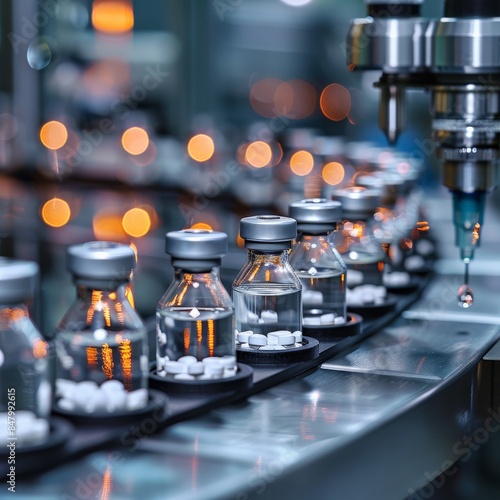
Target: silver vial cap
196,244
268,232
100,260
358,199
17,280
316,211
379,180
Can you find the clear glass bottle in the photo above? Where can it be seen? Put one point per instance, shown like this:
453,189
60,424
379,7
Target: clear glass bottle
101,342
195,316
267,293
317,262
361,252
25,391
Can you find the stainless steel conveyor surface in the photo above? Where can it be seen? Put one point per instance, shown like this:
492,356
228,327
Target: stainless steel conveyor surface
376,422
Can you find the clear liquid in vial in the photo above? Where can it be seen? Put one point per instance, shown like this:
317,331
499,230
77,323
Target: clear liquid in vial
369,266
199,332
267,308
119,355
325,290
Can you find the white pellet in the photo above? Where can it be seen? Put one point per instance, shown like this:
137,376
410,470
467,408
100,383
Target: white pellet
261,321
100,334
246,345
97,401
298,336
117,401
37,430
287,339
111,386
196,368
243,336
212,360
162,373
326,319
205,376
137,399
228,361
312,271
184,376
194,313
310,321
87,386
66,404
339,320
312,298
379,300
380,291
279,333
65,387
160,361
25,417
169,322
187,360
257,340
252,317
272,348
367,297
162,337
354,277
215,371
269,316
175,367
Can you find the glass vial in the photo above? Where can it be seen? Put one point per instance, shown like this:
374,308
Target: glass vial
267,292
317,262
361,252
195,316
25,392
101,342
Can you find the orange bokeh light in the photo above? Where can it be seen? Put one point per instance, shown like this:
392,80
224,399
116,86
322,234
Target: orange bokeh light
107,225
112,16
202,225
53,135
136,222
201,147
302,163
333,173
295,99
258,154
335,102
56,212
262,97
135,140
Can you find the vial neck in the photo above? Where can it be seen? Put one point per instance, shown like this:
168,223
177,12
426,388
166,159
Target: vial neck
93,294
276,257
204,276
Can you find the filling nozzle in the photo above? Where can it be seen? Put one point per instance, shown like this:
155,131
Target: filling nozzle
468,211
391,112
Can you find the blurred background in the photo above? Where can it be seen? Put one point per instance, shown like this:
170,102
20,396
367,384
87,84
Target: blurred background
122,120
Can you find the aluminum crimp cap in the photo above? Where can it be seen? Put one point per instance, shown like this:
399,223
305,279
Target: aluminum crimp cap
100,260
316,211
268,228
358,199
196,244
17,280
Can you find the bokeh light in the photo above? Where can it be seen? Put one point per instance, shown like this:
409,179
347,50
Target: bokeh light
258,154
302,163
333,173
335,102
107,225
56,212
53,135
262,97
295,99
136,222
202,225
112,16
135,140
201,147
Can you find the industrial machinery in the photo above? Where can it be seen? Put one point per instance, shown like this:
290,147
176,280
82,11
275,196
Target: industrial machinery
457,59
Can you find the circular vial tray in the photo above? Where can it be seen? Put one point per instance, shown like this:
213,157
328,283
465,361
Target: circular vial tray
241,381
156,407
333,332
309,350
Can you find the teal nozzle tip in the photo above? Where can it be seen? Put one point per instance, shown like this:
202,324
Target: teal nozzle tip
468,212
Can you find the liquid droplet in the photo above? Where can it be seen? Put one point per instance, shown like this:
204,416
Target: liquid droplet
465,297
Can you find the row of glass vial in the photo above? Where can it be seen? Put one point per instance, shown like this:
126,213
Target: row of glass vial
101,344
